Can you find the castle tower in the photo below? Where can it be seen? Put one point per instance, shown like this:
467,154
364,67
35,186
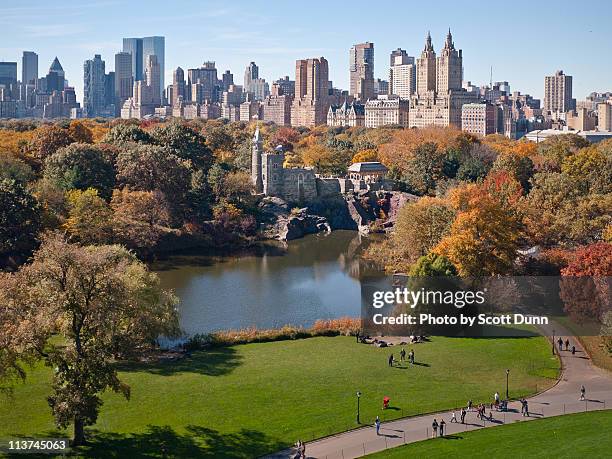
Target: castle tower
449,67
426,69
256,162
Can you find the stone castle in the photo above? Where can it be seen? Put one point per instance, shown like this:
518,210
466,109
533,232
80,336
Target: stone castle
301,184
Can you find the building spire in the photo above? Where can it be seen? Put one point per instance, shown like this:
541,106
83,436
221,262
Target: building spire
449,40
428,45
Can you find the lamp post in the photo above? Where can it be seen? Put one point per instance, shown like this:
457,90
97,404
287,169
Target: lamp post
553,342
507,376
358,397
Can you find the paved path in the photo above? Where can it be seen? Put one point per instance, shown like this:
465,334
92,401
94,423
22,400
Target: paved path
561,399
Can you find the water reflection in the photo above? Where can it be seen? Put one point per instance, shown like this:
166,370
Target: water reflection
318,277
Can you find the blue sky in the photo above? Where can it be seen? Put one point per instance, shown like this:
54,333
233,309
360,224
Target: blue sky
522,40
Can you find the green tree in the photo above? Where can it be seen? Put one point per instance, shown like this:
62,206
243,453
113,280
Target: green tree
424,168
81,166
127,132
185,143
103,304
433,265
19,222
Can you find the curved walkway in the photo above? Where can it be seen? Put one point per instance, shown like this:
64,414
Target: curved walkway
563,398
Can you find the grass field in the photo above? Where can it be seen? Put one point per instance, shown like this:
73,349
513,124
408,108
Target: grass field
571,436
256,398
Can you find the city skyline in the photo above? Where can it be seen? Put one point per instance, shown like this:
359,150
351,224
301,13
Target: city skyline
236,34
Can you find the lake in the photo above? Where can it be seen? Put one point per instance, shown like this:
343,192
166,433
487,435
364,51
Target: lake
318,277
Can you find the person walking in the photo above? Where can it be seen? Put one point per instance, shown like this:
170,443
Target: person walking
567,343
377,424
582,392
391,360
411,356
573,350
463,413
453,418
496,397
526,408
560,341
434,429
469,406
442,427
403,355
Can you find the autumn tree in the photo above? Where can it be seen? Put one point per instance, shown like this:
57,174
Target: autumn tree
12,168
47,140
89,217
484,237
102,304
519,166
19,222
79,132
140,218
81,166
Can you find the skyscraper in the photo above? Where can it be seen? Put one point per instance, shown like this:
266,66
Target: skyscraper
8,73
178,85
227,79
134,47
251,73
55,80
124,80
311,101
449,67
426,68
558,93
109,89
402,74
153,78
155,46
361,71
93,86
29,67
140,49
207,77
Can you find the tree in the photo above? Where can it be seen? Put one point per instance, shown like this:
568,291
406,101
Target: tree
81,166
12,168
587,167
79,132
127,132
557,147
47,140
19,221
150,167
433,265
365,156
519,166
89,217
103,304
424,168
140,218
185,143
484,238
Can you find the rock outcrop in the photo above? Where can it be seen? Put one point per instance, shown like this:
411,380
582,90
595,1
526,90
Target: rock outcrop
353,211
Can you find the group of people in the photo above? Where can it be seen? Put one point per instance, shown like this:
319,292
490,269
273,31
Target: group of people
391,360
435,427
567,344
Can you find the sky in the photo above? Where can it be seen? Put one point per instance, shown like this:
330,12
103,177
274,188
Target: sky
521,40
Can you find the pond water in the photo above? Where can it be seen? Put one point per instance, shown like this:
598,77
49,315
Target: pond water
317,277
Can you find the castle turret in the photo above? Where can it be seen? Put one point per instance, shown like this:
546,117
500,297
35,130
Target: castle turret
256,162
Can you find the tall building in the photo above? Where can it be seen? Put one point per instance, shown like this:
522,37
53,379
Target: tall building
109,90
311,101
140,49
449,67
153,79
604,118
124,79
156,46
8,73
361,71
93,86
287,86
55,79
558,93
276,108
402,74
206,75
426,68
29,67
227,79
440,95
178,85
133,46
251,73
479,118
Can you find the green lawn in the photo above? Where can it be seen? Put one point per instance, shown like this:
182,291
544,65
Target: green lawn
257,398
570,436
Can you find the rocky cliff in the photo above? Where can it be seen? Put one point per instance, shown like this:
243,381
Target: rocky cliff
355,211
